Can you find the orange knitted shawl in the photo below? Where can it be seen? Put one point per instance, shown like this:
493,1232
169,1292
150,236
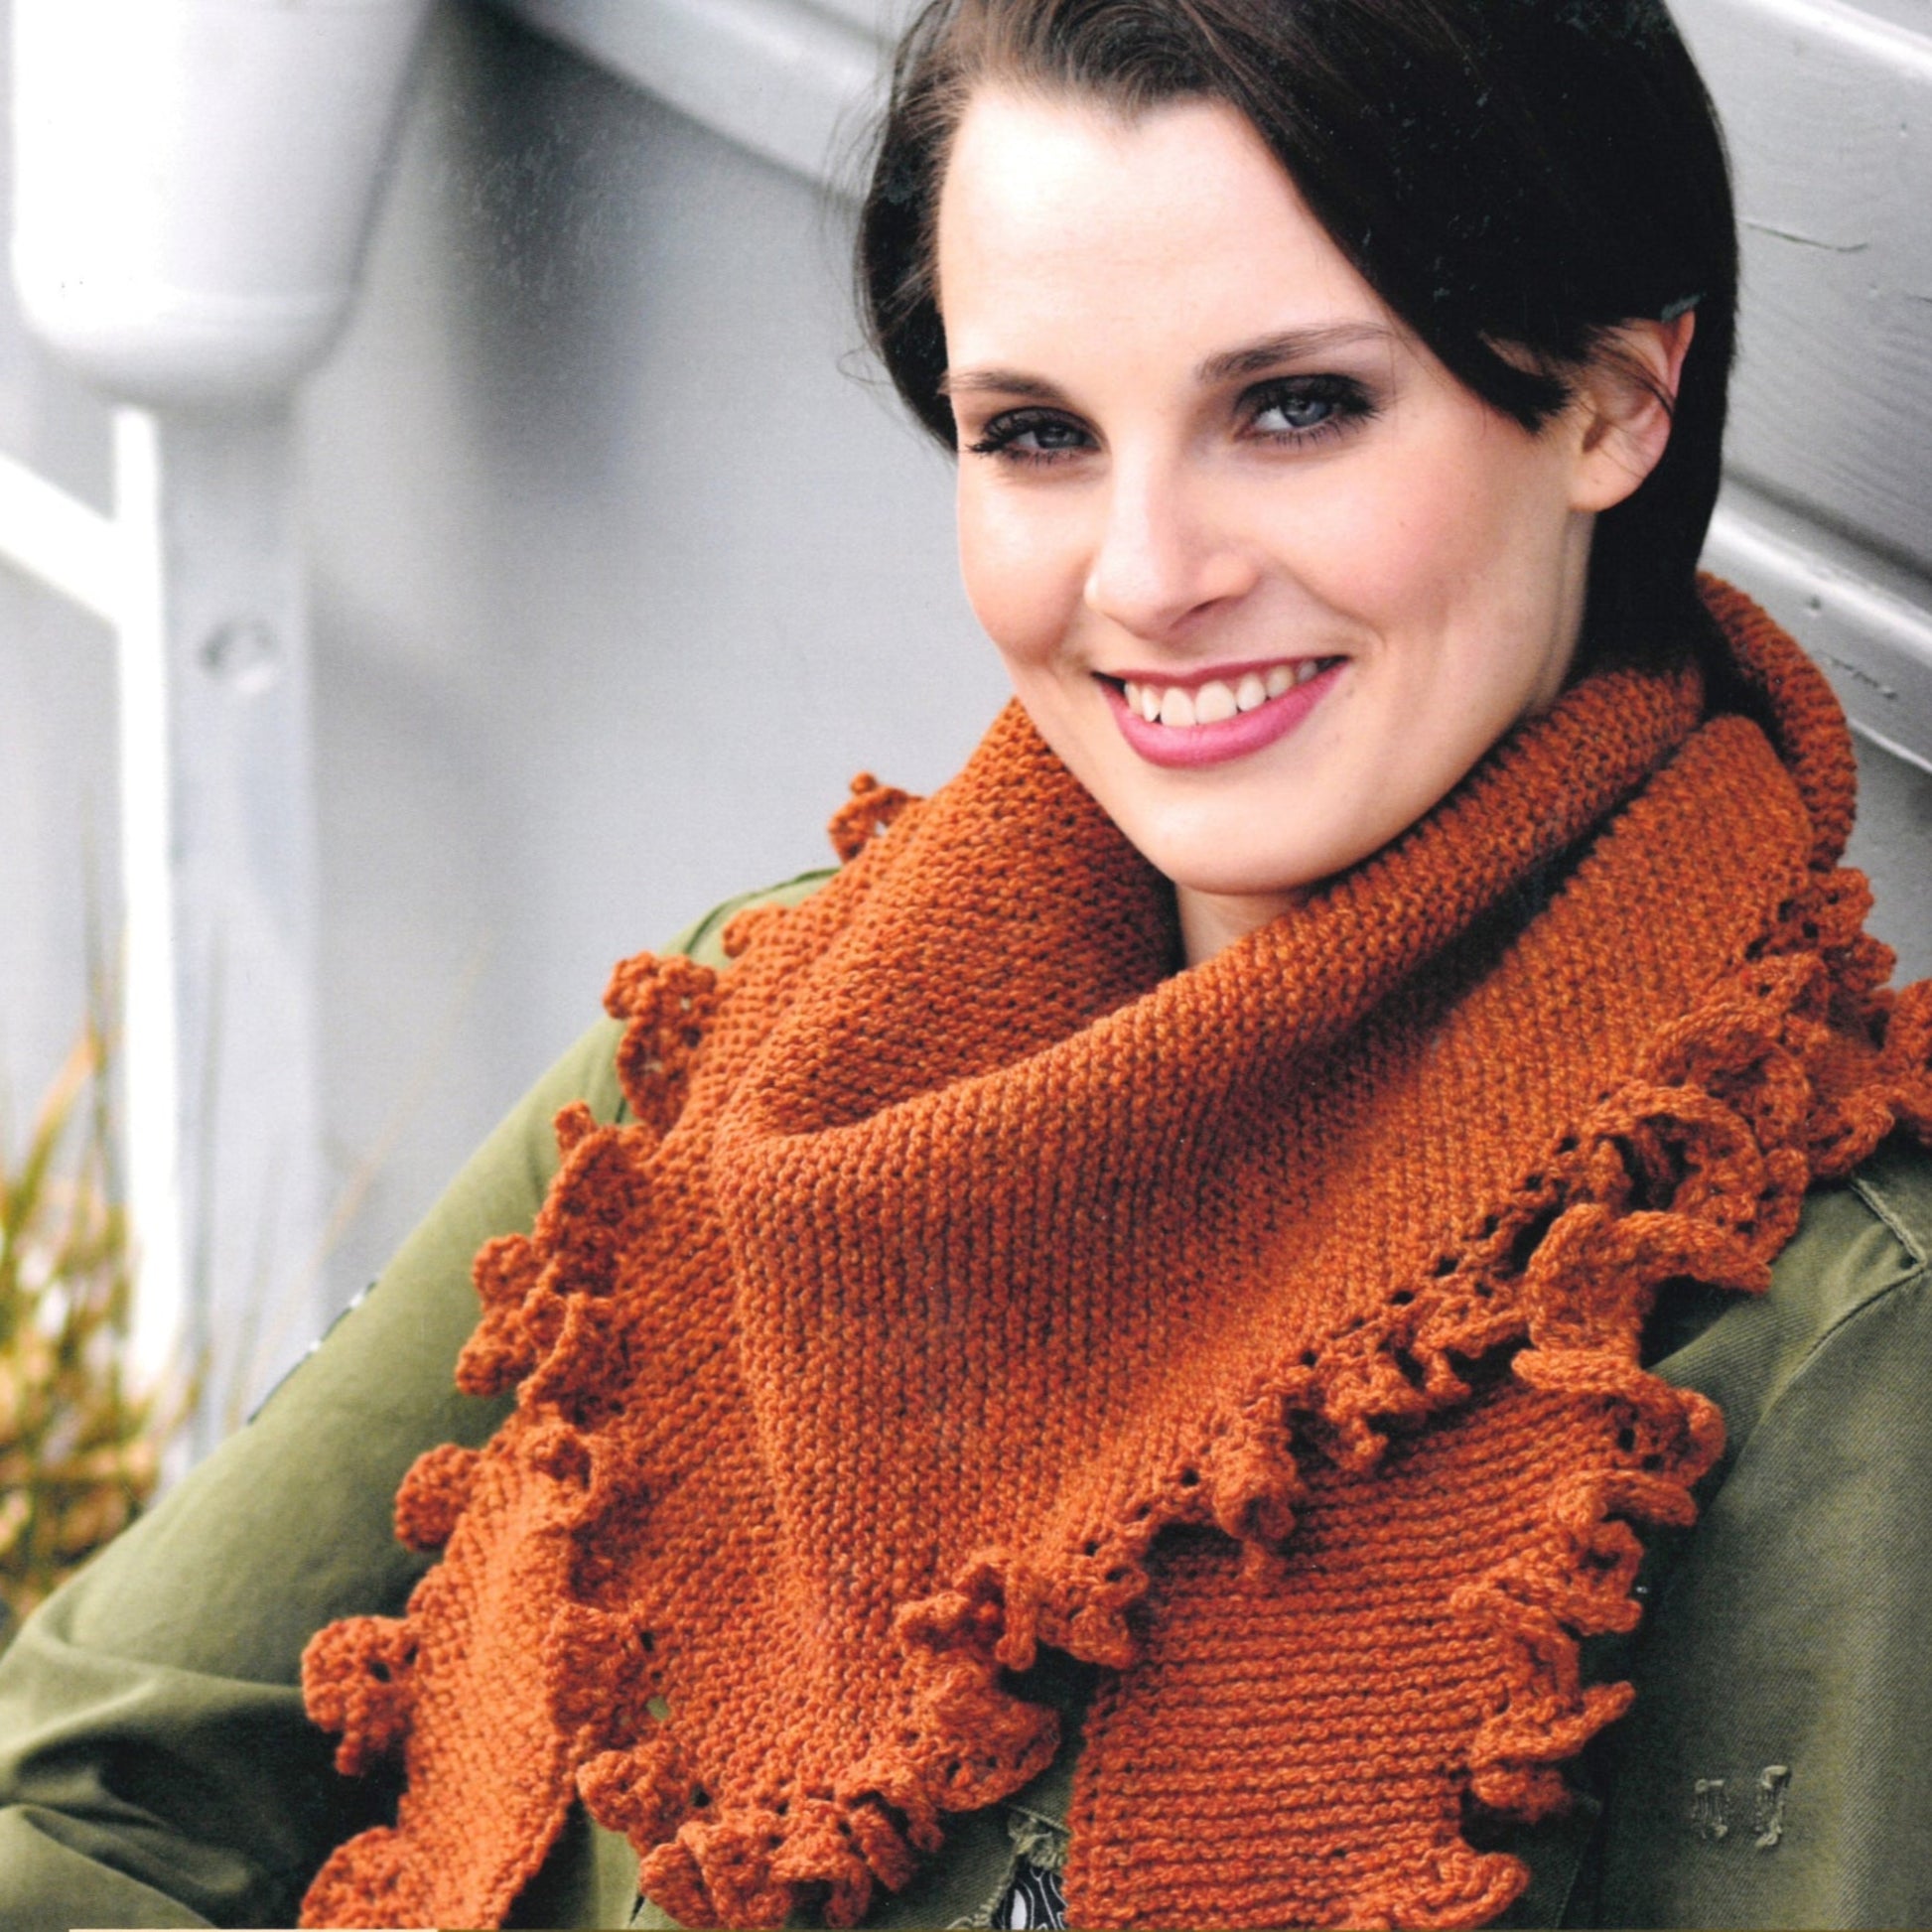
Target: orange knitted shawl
1266,1335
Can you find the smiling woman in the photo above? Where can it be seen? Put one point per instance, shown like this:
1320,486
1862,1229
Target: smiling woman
1301,1300
1161,506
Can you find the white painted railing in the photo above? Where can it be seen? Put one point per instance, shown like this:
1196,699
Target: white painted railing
786,79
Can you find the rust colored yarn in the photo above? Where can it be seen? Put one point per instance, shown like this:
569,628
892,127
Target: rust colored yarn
1266,1335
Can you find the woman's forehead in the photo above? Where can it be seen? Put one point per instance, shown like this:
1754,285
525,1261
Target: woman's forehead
1058,216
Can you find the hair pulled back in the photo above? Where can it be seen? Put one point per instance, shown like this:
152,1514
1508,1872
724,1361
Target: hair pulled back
1513,177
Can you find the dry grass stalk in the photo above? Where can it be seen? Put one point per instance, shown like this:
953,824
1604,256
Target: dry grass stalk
80,1449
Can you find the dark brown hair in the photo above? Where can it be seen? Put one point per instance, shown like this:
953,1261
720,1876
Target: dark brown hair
1514,178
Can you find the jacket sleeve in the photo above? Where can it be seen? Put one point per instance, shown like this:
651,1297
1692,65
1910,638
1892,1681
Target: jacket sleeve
156,1767
1777,1766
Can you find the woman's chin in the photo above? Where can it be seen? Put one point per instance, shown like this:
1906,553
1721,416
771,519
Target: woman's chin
1245,899
1220,863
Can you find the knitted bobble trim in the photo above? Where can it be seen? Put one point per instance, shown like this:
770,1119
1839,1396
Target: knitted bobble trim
668,1003
643,1792
871,812
356,1678
601,1675
747,1863
434,1494
501,1352
536,1289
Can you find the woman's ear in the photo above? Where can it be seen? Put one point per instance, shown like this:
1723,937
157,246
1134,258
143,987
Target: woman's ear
1625,398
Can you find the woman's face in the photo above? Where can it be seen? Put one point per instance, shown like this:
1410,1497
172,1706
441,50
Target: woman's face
1266,577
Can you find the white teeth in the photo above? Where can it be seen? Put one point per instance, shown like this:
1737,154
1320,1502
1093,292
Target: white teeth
1213,703
1218,700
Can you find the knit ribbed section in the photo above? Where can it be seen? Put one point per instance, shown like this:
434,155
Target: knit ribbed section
1266,1335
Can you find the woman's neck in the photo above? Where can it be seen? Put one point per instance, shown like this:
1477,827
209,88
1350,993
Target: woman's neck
1213,921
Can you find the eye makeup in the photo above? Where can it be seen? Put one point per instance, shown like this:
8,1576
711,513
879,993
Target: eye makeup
1052,435
1308,409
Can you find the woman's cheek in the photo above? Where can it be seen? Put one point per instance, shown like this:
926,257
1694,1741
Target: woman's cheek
1021,574
1397,538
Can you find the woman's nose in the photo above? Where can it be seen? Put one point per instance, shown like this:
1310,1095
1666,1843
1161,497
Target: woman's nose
1163,555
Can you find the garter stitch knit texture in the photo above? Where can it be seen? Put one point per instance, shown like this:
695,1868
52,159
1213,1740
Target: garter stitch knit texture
1266,1335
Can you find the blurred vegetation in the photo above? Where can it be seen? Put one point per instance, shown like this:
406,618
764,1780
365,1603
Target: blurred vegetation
80,1447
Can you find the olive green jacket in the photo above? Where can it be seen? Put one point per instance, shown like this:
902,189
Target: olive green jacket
156,1767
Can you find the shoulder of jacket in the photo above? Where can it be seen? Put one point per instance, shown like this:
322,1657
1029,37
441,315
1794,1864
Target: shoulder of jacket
1861,1243
704,940
1860,1240
1897,1185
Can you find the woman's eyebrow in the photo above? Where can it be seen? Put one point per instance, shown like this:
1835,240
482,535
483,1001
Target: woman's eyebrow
1003,382
1290,345
1251,358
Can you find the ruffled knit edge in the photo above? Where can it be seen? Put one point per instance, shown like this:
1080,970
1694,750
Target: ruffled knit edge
1695,1171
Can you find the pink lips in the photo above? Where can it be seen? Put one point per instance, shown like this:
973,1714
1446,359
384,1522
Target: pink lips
1179,745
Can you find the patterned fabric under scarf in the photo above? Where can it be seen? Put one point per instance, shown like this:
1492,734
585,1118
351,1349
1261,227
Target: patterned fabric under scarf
1264,1334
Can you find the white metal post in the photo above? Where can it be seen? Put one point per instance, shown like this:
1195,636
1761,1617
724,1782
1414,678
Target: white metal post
218,861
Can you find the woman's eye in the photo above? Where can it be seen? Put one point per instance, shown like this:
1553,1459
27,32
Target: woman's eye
1030,435
1301,407
1294,412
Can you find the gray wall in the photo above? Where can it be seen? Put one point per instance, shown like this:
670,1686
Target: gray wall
622,568
620,576
1828,111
